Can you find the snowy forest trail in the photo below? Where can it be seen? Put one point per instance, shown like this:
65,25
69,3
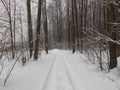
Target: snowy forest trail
62,77
59,70
58,78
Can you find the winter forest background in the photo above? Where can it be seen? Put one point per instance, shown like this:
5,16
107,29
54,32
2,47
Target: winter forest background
90,27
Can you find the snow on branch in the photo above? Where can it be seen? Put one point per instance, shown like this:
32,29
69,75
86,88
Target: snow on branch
99,36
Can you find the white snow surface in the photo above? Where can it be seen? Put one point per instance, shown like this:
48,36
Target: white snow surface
59,70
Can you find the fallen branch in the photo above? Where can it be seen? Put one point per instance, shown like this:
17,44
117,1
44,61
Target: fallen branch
11,70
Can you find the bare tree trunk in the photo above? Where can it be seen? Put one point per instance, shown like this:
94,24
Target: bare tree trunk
37,41
21,24
14,29
81,26
73,27
68,22
11,31
45,27
30,32
100,30
76,23
111,17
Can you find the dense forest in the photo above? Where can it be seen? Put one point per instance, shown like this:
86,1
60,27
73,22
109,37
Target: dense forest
91,27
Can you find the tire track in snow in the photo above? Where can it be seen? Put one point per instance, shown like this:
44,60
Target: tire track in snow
63,78
58,77
49,72
73,76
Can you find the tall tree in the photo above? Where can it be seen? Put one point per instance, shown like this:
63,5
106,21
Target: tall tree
111,19
68,22
45,27
76,23
37,41
30,32
81,25
73,26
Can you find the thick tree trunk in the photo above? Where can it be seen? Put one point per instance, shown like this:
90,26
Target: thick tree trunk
30,32
37,41
76,23
112,49
111,18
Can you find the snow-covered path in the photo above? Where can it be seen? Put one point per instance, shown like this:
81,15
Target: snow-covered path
59,70
58,78
62,76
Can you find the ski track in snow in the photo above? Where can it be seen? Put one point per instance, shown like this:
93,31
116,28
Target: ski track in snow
59,70
58,77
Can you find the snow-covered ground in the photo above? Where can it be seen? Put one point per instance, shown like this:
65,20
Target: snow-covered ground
59,70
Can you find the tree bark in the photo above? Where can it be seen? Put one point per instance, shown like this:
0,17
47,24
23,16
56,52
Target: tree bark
45,27
73,26
111,18
30,32
37,41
